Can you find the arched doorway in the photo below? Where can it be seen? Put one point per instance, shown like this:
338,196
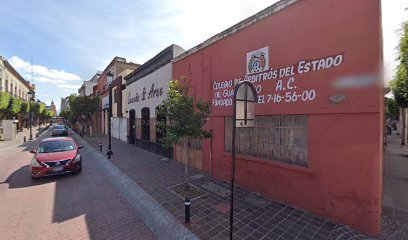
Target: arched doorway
145,124
160,148
132,126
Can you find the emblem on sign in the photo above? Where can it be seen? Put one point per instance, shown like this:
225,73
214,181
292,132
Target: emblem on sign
258,61
337,98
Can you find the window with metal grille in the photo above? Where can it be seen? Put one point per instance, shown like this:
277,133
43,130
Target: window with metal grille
278,138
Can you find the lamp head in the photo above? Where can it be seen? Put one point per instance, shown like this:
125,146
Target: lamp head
109,77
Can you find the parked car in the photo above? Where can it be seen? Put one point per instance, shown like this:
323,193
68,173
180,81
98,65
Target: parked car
59,130
56,156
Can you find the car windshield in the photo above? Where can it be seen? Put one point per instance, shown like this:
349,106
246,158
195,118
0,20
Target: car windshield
59,127
56,146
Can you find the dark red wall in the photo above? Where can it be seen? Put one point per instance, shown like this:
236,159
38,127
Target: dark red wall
344,178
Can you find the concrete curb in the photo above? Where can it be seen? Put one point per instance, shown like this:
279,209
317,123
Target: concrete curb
162,223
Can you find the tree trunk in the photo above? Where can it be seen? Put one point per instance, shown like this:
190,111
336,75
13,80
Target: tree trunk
90,130
89,125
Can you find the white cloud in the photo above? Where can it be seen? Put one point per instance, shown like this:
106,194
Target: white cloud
67,86
44,79
41,73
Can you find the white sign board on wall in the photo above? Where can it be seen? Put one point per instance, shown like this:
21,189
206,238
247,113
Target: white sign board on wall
149,91
105,102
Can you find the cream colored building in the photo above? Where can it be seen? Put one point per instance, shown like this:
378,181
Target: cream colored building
12,82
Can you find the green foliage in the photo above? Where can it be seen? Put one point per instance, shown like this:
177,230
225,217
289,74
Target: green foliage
83,105
44,113
14,106
25,107
185,116
50,114
399,85
68,116
82,108
41,108
392,108
66,113
4,100
35,108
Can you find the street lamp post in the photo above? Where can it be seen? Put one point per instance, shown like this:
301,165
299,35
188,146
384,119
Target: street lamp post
109,80
245,98
30,96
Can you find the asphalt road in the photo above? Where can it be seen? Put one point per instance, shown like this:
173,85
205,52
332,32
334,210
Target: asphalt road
75,206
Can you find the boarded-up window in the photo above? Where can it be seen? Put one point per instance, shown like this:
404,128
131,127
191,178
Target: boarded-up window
278,138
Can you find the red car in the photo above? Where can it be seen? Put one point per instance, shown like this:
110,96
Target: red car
56,156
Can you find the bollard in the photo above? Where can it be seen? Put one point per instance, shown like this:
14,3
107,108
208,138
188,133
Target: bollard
100,147
187,209
25,139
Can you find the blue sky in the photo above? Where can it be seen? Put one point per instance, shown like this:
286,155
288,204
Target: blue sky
68,41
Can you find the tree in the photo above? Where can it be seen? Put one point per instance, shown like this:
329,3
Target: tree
67,114
4,100
37,109
41,108
4,103
185,116
82,108
399,85
25,107
50,114
392,109
14,106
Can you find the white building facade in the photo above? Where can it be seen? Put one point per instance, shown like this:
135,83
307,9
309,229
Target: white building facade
146,89
87,86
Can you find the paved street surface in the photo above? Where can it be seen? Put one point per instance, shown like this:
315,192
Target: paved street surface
82,206
256,216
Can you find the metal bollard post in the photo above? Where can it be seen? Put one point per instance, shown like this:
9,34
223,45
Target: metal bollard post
100,147
25,139
187,209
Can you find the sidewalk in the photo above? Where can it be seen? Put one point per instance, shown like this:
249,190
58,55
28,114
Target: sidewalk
256,216
395,174
395,194
25,133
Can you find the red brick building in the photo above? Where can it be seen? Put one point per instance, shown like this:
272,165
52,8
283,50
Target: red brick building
119,67
317,141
